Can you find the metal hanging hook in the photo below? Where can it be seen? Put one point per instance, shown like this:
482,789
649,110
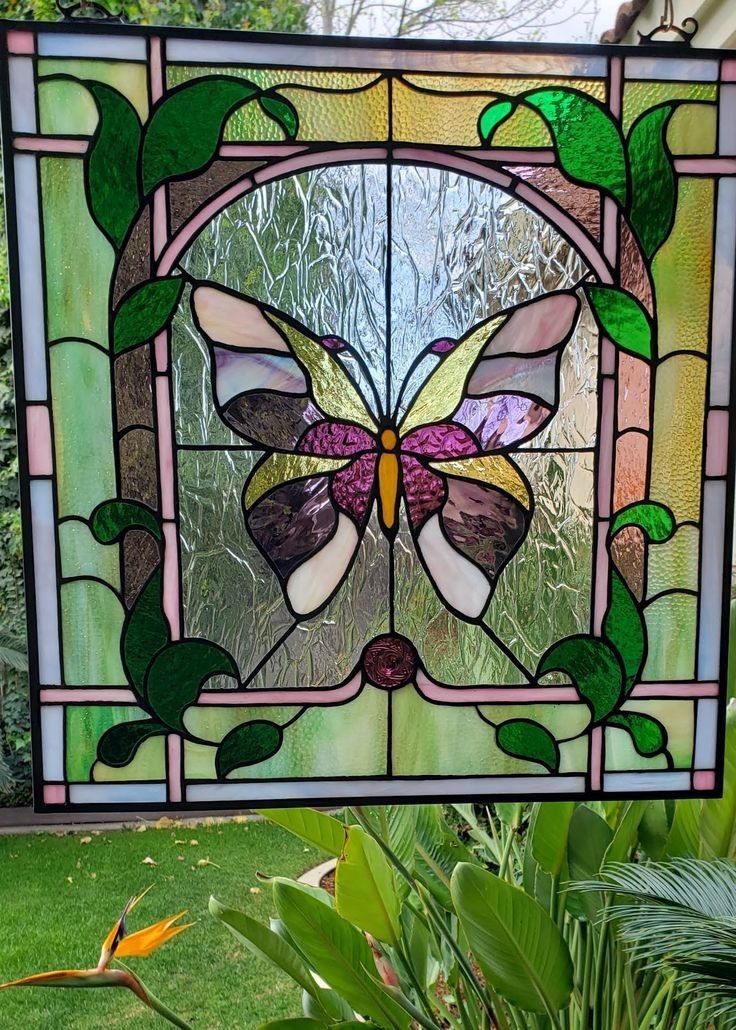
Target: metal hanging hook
667,26
87,10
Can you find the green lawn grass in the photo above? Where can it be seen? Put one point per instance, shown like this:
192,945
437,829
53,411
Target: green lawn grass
59,897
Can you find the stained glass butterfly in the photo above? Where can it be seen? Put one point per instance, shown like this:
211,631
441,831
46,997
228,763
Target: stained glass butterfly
328,459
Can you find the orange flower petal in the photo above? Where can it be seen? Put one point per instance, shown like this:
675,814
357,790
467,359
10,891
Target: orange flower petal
111,942
72,978
143,942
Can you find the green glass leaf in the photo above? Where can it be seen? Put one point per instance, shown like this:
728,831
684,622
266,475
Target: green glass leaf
623,627
112,518
655,519
111,165
145,311
648,735
282,111
520,950
586,136
522,738
177,674
622,319
185,129
146,632
248,744
493,116
594,668
118,745
653,181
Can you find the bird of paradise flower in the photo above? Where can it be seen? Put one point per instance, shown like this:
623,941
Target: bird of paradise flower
330,456
117,945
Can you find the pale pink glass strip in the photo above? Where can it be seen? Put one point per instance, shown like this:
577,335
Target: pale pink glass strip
171,579
21,42
704,780
51,145
329,695
610,230
675,690
633,392
492,695
103,695
40,460
54,794
705,165
600,598
161,348
173,766
156,69
728,70
608,357
532,156
596,757
716,455
615,93
258,150
165,446
605,455
159,222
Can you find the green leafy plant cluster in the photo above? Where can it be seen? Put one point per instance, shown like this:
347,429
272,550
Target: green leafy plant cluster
509,916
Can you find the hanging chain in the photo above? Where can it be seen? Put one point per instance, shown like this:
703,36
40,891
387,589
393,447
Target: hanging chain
668,26
87,10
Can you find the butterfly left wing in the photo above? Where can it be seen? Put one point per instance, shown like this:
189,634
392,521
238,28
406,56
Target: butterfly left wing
469,505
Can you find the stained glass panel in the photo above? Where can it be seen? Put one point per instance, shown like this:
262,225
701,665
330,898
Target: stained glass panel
376,415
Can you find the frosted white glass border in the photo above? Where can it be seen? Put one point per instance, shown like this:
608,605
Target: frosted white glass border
44,573
22,94
707,734
67,44
52,742
33,328
727,121
711,578
668,70
723,293
644,782
117,793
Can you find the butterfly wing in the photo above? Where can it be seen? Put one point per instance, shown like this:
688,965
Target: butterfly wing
469,505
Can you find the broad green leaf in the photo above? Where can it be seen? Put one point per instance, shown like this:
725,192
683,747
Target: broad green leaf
145,633
329,1001
118,745
111,164
549,840
337,952
185,129
520,950
510,813
626,833
684,840
654,830
624,628
438,852
528,740
648,735
396,825
718,815
622,319
317,828
586,136
365,892
282,111
588,840
731,681
177,674
247,744
112,518
145,311
493,116
297,1023
653,180
656,520
266,944
594,668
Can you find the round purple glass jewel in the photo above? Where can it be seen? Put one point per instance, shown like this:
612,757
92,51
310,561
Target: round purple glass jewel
390,661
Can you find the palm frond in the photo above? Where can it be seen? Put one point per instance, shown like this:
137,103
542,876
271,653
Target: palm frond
12,652
7,779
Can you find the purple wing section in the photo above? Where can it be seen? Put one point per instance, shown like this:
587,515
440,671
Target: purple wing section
292,522
502,420
483,523
276,421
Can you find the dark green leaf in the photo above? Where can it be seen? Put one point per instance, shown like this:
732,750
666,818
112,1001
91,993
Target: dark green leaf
594,668
522,738
248,744
653,181
146,632
118,745
112,518
317,828
622,319
654,830
492,116
624,628
649,735
549,839
282,111
589,838
145,312
655,519
177,674
586,137
185,129
111,165
626,832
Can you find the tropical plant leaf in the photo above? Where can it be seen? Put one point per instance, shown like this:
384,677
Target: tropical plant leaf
146,632
530,741
337,952
177,674
588,840
684,839
653,180
438,852
112,518
648,735
185,129
520,950
594,668
718,815
145,311
625,834
549,839
622,319
365,891
12,652
247,744
111,164
653,518
118,745
282,111
317,828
